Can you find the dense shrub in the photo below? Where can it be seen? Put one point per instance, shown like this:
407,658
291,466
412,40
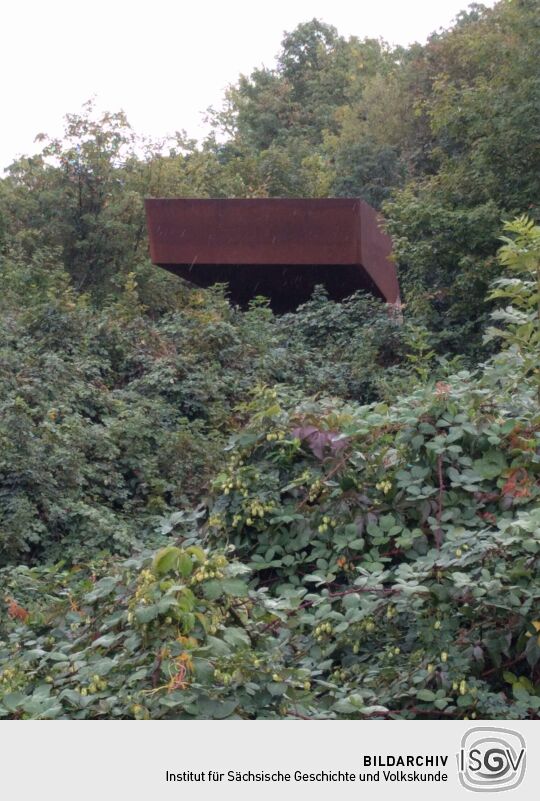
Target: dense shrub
385,563
139,639
393,563
109,417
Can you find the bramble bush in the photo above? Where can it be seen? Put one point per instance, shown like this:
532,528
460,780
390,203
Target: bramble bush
110,418
145,638
404,597
357,561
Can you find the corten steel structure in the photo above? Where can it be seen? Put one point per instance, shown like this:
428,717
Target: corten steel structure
277,247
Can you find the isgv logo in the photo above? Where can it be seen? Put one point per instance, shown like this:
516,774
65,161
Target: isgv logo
491,759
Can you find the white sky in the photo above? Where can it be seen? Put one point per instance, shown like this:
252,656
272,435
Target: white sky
163,61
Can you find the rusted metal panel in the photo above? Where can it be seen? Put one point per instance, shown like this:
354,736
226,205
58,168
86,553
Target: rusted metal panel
375,253
278,247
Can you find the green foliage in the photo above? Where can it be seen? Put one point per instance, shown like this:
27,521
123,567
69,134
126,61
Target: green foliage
419,352
110,418
521,318
308,489
390,563
447,258
482,134
208,513
176,637
443,136
73,196
385,554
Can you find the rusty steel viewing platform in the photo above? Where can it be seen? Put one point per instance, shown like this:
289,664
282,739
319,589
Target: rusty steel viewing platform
277,247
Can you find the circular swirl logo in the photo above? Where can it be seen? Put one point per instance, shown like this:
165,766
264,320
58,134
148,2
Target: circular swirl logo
491,759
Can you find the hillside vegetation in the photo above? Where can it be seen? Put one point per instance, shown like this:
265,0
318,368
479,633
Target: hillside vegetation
215,513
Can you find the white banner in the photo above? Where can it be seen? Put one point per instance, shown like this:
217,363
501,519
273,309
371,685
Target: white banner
136,760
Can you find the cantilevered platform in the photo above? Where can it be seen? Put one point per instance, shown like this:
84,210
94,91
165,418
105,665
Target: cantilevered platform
277,247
